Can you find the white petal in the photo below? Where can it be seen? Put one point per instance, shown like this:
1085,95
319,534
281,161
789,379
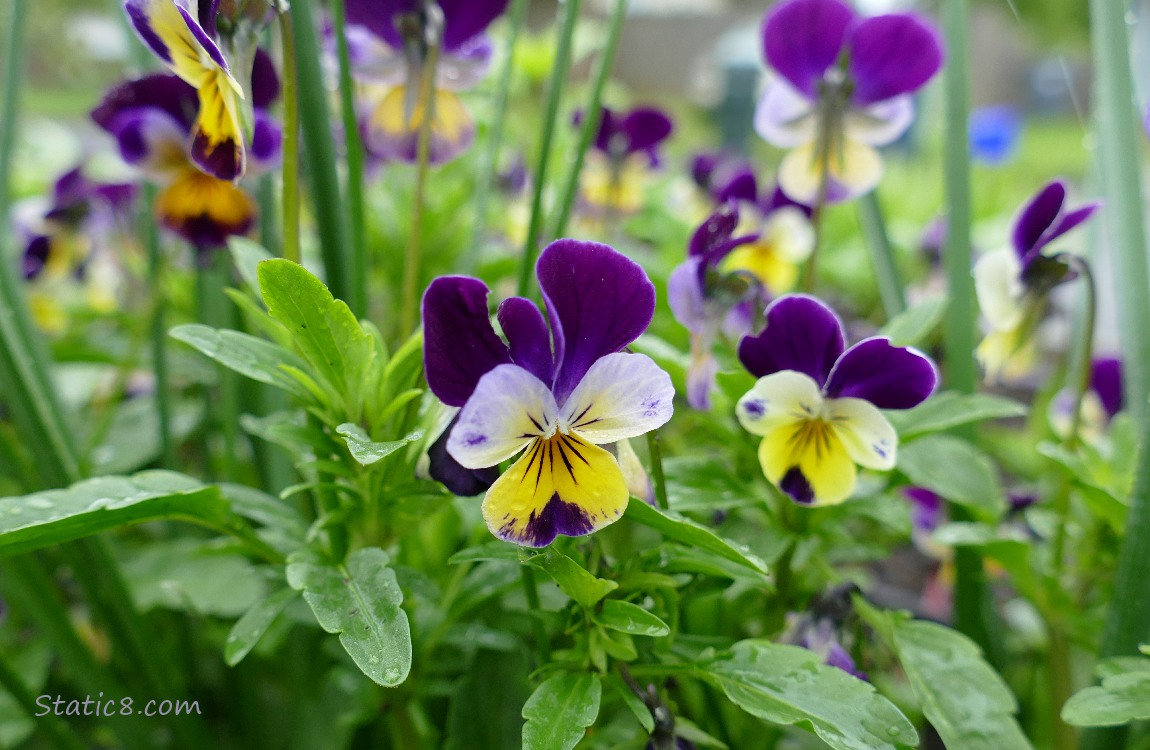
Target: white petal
784,117
778,399
622,396
508,409
998,284
790,233
868,437
881,123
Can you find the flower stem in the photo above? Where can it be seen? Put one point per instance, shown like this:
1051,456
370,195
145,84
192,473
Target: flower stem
542,642
426,106
890,284
290,164
592,114
555,94
353,147
159,333
660,478
490,162
215,310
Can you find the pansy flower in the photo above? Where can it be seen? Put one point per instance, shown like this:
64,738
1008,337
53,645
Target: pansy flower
823,628
816,403
1100,404
177,37
994,133
555,391
151,118
844,87
1012,283
625,150
390,43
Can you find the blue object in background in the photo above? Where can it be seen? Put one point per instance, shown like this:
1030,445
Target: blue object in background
994,133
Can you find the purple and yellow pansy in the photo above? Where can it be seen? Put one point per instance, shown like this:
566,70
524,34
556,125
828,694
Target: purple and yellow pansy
625,150
844,87
817,404
1012,283
553,393
390,43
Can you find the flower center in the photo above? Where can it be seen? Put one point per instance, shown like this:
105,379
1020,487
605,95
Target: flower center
811,435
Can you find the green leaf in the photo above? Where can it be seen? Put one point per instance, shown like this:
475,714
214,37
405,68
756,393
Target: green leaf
1119,700
913,325
51,517
629,618
367,452
187,575
961,695
954,469
674,526
360,600
575,582
951,409
633,702
249,356
325,331
250,628
495,550
247,256
787,685
560,710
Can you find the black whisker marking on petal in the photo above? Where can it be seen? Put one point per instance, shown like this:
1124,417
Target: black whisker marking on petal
566,461
583,413
539,471
572,445
531,460
537,425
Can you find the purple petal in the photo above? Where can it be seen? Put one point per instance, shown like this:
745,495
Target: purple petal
646,128
1036,216
779,199
994,133
527,336
685,295
701,380
224,160
927,511
1068,222
458,480
459,344
36,256
892,55
162,91
138,15
703,167
608,126
204,210
207,16
890,377
267,143
265,80
802,334
465,19
802,38
598,301
1106,381
557,517
117,195
797,487
378,16
716,230
150,139
70,187
837,656
739,184
202,37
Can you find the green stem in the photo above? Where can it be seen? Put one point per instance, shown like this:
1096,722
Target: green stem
890,284
59,733
290,164
542,642
353,148
425,109
592,114
660,479
319,147
216,311
555,94
159,331
490,164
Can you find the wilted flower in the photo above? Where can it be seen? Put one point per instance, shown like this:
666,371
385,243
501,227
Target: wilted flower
1101,402
151,119
844,87
559,395
821,628
391,42
626,149
1012,283
817,406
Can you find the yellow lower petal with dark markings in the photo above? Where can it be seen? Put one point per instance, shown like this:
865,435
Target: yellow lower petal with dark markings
814,447
205,210
395,124
560,485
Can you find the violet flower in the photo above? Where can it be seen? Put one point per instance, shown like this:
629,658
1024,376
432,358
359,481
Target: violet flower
994,133
625,150
391,42
817,406
928,512
844,87
1100,404
1012,283
554,396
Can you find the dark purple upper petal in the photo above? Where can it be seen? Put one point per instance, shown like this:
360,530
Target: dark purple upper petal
458,479
778,199
265,80
802,334
267,140
927,513
892,55
703,166
1067,222
465,19
890,377
1037,216
36,254
203,38
527,336
207,16
1106,381
739,184
459,344
379,16
717,229
598,301
143,26
160,90
646,128
802,38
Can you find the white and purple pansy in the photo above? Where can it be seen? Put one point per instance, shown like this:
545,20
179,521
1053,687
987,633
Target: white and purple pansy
389,42
844,87
555,391
817,404
1012,282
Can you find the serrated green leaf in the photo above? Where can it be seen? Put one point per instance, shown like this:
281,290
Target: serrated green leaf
250,628
951,409
674,526
366,451
788,685
51,517
633,702
1119,700
913,325
629,618
575,582
249,356
360,600
325,331
560,710
954,469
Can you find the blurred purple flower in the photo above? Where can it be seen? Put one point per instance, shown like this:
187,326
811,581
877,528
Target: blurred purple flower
625,150
994,133
1102,401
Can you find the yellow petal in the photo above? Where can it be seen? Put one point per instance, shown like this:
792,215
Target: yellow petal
781,399
560,485
864,432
